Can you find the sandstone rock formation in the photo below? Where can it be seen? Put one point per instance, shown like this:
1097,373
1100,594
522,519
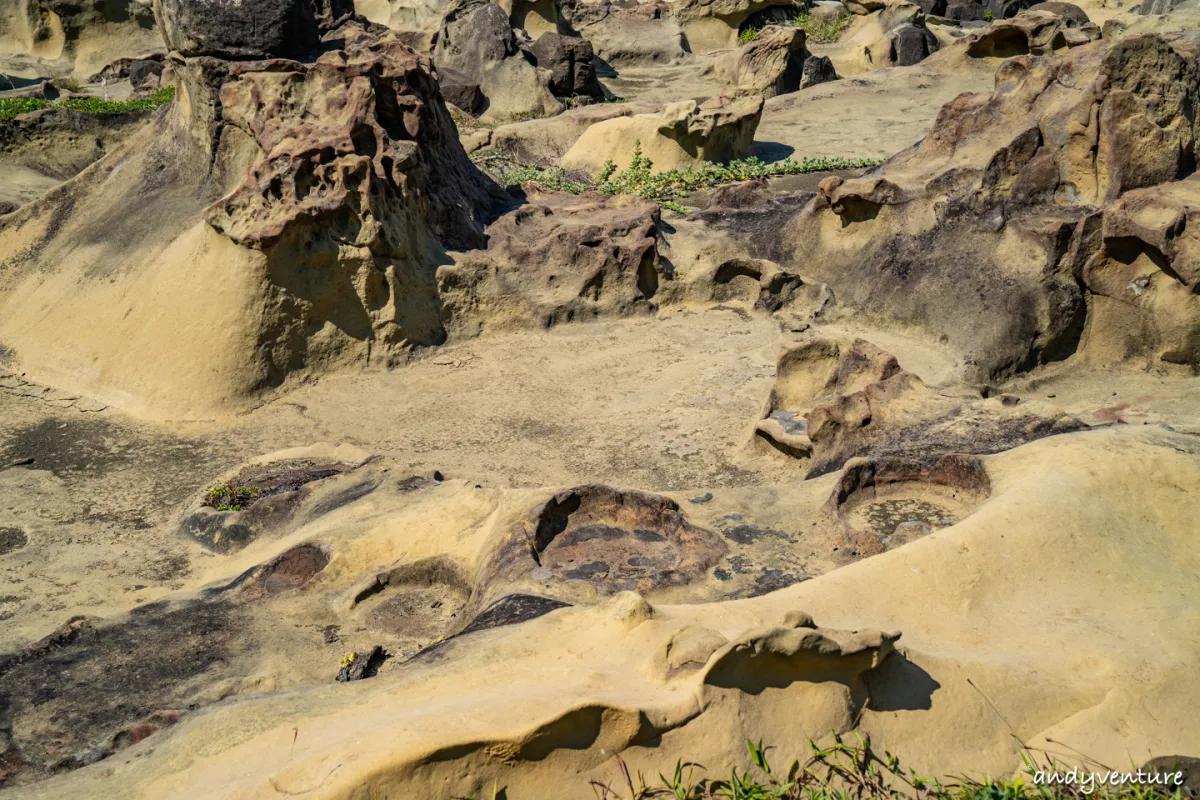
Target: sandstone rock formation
1031,32
1013,169
714,24
1138,259
570,61
974,10
250,29
624,670
834,401
893,34
419,18
475,39
620,34
312,228
719,129
51,38
559,258
535,17
643,479
775,63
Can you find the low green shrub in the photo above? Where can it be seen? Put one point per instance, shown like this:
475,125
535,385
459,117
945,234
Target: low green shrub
663,187
12,107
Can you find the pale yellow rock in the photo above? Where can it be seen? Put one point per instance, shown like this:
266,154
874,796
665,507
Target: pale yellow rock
683,134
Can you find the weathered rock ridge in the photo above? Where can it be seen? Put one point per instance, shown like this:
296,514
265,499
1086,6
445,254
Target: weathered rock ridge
980,233
317,196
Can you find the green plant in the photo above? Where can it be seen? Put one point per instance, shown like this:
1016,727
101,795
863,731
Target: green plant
68,83
227,497
988,16
748,35
507,172
822,32
12,107
665,187
853,771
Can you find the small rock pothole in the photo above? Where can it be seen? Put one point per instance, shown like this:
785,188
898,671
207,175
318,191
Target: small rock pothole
12,539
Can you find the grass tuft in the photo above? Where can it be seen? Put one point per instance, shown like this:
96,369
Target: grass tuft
227,497
822,32
815,30
853,771
748,35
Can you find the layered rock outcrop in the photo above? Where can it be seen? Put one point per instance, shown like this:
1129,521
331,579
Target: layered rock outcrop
834,401
979,232
310,204
559,258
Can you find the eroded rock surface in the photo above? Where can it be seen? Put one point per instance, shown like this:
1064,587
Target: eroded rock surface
1021,169
249,29
477,40
332,185
559,258
834,401
687,132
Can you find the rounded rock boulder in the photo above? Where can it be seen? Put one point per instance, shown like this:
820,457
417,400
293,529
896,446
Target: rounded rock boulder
236,29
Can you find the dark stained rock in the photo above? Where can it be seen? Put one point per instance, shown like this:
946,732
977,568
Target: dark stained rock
817,69
92,688
1071,13
475,32
264,499
1178,772
596,540
12,539
513,609
911,44
460,91
973,10
1156,7
291,570
249,28
362,665
570,61
145,73
477,40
